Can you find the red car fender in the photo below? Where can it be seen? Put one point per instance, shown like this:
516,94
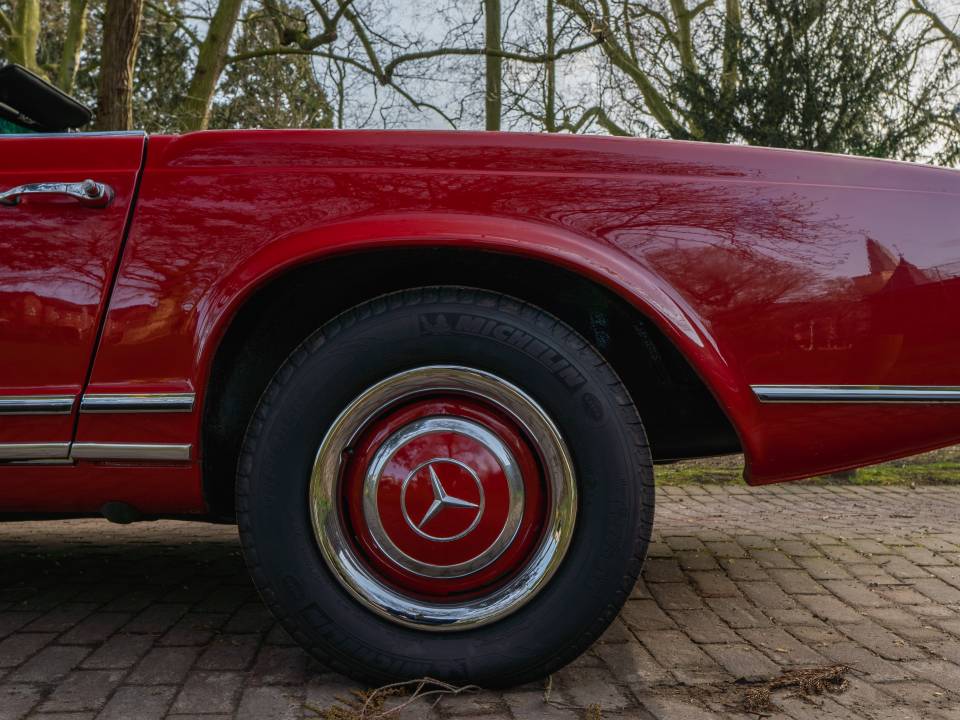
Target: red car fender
604,264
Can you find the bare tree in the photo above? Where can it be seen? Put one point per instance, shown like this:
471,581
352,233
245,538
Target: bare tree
273,90
846,76
72,45
493,103
366,66
211,59
550,71
652,46
945,38
342,33
867,76
20,33
936,21
121,38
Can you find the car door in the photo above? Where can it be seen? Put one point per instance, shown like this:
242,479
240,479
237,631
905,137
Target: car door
60,240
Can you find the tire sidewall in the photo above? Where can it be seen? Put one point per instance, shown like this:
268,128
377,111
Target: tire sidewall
518,343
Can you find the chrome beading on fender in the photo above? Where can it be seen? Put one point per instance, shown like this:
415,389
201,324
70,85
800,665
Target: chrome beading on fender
130,451
96,403
133,452
357,578
136,402
856,393
35,451
36,404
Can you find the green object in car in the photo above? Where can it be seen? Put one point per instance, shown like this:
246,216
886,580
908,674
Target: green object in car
8,127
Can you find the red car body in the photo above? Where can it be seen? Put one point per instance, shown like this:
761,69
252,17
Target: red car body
815,296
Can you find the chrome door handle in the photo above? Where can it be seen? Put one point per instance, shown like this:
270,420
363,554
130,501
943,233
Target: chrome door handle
88,192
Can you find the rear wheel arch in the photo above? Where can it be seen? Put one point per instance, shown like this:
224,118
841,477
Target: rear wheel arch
682,417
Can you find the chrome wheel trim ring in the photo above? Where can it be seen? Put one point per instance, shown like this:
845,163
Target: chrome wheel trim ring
360,581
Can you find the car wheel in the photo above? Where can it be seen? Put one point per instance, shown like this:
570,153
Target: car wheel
445,482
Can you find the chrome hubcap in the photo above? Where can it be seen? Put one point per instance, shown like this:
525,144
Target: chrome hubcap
443,497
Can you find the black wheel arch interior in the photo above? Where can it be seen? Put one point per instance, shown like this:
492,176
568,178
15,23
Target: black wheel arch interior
680,414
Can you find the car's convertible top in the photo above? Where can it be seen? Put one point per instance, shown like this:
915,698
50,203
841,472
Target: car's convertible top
28,103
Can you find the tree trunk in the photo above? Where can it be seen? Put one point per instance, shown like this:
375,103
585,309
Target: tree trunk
493,100
684,36
121,38
22,45
72,45
210,61
730,77
550,101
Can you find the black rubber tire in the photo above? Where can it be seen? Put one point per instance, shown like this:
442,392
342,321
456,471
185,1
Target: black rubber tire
396,332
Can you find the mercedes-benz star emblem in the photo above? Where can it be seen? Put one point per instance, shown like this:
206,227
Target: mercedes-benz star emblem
442,499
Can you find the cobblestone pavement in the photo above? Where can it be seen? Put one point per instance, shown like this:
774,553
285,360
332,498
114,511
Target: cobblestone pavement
159,619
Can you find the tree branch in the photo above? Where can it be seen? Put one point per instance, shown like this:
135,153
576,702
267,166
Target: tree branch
321,11
361,32
418,104
324,38
283,50
21,45
660,18
550,70
505,54
683,17
949,35
700,8
341,10
72,45
211,59
177,20
732,31
276,17
600,115
267,52
493,72
5,23
655,103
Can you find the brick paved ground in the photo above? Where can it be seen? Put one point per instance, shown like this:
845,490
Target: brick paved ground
159,620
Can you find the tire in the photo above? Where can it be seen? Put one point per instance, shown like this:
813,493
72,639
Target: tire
328,516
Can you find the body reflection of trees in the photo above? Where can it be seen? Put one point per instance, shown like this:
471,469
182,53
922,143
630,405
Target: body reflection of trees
721,280
723,246
55,260
748,220
742,251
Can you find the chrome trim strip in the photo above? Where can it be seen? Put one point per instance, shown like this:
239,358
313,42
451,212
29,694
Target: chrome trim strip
77,134
36,404
129,451
136,402
34,451
856,393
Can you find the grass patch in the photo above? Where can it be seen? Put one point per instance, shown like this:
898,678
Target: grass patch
940,467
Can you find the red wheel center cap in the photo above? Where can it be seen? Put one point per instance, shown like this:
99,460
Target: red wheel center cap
442,500
443,497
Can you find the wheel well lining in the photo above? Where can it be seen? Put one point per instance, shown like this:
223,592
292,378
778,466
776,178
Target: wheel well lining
680,414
